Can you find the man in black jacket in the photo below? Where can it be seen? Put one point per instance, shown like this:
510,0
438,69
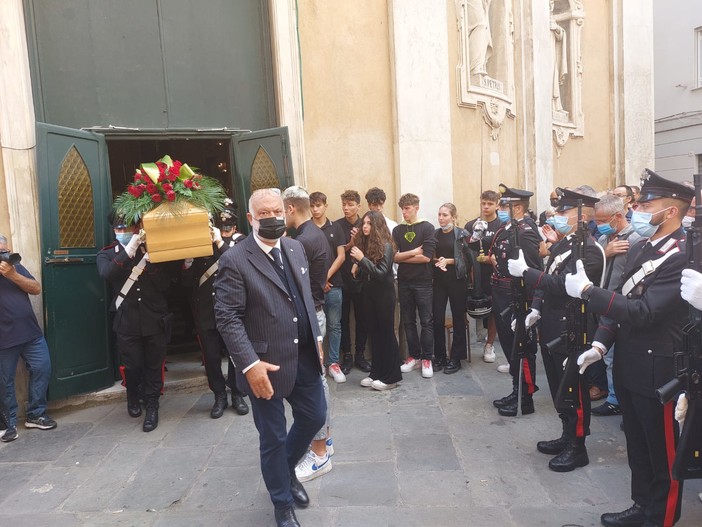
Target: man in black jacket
644,319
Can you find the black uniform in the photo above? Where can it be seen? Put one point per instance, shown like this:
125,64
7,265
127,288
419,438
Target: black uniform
551,299
646,326
213,346
142,323
529,241
484,246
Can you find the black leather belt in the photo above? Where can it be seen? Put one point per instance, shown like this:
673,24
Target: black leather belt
503,283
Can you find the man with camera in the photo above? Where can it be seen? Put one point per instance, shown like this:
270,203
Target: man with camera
21,336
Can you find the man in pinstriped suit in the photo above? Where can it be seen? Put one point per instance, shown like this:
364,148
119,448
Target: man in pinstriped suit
266,316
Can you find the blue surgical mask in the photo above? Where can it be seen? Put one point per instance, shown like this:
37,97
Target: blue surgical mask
503,215
641,223
550,221
560,223
606,229
124,237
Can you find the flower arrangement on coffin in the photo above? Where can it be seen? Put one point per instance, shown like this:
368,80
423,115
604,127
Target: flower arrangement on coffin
168,182
172,202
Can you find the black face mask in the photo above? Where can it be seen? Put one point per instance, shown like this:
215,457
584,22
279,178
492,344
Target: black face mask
271,228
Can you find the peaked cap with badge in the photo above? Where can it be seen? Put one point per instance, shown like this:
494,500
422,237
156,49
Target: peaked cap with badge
568,199
513,194
654,186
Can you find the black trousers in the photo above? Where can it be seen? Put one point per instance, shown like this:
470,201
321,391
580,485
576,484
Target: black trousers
454,292
379,311
651,439
350,298
501,302
213,349
143,358
281,449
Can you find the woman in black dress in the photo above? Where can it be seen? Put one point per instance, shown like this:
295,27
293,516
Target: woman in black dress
373,256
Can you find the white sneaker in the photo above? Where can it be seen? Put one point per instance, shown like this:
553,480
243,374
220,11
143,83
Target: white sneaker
330,447
380,385
409,365
488,353
503,368
312,466
427,369
366,382
335,373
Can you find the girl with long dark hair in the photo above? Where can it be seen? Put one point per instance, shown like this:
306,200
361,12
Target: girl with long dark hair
373,257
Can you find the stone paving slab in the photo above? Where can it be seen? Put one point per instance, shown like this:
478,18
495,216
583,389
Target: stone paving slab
432,452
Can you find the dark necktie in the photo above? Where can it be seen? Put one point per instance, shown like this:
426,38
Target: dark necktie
280,267
285,274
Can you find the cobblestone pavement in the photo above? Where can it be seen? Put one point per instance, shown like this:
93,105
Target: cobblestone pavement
432,452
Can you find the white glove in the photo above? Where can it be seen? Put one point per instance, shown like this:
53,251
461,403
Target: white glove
532,318
146,257
587,358
513,325
691,287
681,409
576,283
217,236
518,266
134,244
188,263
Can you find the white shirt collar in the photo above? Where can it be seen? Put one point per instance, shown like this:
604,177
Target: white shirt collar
265,248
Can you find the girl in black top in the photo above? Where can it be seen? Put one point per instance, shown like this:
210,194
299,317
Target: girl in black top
373,257
450,285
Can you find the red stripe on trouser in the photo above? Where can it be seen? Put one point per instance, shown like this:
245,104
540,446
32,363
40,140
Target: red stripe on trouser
163,375
579,423
122,374
528,379
672,501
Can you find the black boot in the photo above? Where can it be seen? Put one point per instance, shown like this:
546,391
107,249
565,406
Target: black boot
574,455
511,410
634,516
362,364
151,417
438,364
347,364
133,405
452,366
554,446
239,404
506,401
219,405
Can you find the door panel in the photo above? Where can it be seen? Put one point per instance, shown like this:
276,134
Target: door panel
74,196
261,160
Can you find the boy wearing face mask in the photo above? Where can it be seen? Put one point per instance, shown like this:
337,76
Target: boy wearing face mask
550,306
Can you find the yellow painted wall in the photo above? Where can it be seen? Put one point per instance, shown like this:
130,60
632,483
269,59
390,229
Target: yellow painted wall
347,98
4,208
589,159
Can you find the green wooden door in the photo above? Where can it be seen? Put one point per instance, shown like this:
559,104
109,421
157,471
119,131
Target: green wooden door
261,160
74,199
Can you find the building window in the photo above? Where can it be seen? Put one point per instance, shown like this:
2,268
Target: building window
698,56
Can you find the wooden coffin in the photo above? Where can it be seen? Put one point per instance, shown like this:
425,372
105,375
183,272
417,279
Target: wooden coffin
177,231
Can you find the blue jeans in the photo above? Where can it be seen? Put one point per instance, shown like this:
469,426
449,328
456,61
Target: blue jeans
609,359
35,354
332,309
417,298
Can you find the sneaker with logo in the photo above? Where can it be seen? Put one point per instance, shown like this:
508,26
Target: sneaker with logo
43,422
335,373
313,466
410,364
427,369
503,368
9,435
489,353
330,447
381,386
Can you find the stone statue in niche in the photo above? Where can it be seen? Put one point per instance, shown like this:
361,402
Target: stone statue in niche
559,38
479,36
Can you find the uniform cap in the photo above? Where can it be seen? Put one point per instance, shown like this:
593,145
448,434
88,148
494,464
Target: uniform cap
118,222
654,186
568,199
513,194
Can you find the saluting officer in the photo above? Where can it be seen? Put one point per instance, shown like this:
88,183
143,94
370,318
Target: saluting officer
199,274
550,307
142,323
500,252
644,318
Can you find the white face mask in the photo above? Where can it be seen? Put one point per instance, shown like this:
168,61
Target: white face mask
687,221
